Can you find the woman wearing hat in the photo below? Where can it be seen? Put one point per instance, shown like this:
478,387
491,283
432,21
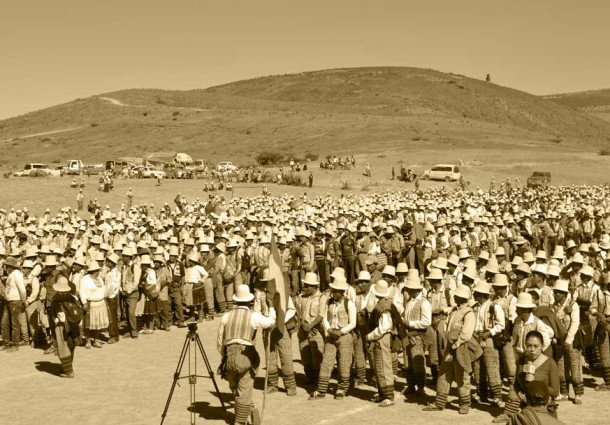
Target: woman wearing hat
339,320
65,313
150,295
92,296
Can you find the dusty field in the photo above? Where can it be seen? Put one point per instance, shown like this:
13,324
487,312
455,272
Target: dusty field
128,383
567,165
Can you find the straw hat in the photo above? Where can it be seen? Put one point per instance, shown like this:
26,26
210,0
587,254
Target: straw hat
558,253
440,263
61,285
93,267
113,258
524,300
528,257
11,262
463,253
338,272
470,273
482,287
402,268
484,255
540,269
516,260
242,294
524,268
363,276
462,291
492,266
50,261
553,270
587,271
220,246
578,258
541,254
561,285
380,289
570,244
500,280
389,271
453,259
414,283
339,284
604,243
435,275
311,278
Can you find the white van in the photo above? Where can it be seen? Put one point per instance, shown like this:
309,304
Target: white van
74,166
446,172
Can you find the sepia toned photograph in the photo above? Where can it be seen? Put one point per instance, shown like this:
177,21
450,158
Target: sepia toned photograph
284,212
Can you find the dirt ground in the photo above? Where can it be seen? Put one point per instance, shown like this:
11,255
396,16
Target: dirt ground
129,382
567,165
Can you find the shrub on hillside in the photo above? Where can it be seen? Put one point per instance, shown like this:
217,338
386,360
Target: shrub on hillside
346,185
94,124
311,156
604,152
293,179
267,177
269,158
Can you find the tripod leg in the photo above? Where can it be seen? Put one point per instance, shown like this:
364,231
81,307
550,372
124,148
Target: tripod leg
210,371
176,377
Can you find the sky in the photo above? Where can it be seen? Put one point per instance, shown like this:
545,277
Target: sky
52,52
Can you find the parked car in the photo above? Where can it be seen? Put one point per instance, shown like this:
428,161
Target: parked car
148,172
446,172
539,179
36,170
74,167
225,166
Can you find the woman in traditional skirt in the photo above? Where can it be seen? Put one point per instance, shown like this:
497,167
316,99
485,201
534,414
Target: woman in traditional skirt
92,295
151,289
65,311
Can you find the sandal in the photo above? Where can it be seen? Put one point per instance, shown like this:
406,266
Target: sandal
386,403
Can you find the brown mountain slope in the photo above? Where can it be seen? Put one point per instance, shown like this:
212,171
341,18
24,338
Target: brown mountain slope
593,102
335,111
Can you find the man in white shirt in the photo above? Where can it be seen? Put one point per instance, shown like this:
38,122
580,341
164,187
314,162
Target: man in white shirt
339,320
417,317
113,286
490,322
15,299
235,342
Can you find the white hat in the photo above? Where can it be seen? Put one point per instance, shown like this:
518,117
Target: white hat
462,291
524,300
482,287
561,285
311,278
414,283
93,266
242,294
340,284
364,275
380,289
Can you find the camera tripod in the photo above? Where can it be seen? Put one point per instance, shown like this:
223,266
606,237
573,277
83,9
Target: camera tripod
192,337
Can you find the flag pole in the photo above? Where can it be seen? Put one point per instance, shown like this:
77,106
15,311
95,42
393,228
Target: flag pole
267,349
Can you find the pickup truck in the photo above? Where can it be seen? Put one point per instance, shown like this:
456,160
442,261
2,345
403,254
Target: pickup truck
37,170
539,179
148,172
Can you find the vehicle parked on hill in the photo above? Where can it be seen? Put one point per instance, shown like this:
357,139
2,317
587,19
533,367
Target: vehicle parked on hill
73,167
37,170
446,172
225,166
539,179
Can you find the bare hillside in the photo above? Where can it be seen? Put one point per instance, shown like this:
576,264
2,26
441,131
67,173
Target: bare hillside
360,110
593,102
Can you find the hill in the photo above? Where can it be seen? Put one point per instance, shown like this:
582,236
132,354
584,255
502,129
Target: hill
340,111
593,102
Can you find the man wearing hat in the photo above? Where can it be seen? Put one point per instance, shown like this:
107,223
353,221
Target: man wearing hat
381,323
65,313
217,273
526,322
14,305
347,242
195,277
361,289
490,321
507,301
568,357
236,343
177,273
112,282
309,334
339,320
588,295
130,279
603,317
441,301
457,360
417,317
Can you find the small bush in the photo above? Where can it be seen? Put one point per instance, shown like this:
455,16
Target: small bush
267,177
381,156
293,179
311,156
46,139
176,113
161,101
269,158
346,185
604,152
416,138
94,124
365,188
145,113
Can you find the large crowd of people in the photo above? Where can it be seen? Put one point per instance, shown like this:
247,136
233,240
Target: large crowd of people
504,293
